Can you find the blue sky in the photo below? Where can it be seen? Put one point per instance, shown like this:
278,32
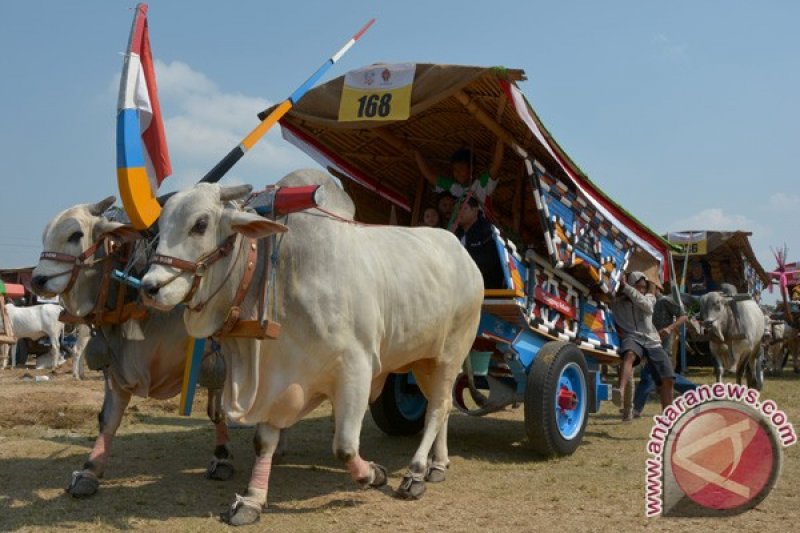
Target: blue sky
685,112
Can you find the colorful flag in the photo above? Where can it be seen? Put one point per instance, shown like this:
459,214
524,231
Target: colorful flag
141,143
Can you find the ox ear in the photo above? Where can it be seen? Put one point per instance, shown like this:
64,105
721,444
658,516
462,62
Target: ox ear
234,192
100,207
254,226
125,232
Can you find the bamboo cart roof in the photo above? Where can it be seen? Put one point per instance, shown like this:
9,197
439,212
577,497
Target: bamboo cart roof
452,107
730,246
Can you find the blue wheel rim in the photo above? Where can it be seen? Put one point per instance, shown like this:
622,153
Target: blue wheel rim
409,399
569,422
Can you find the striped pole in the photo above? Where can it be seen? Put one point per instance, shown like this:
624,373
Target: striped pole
191,371
195,355
227,162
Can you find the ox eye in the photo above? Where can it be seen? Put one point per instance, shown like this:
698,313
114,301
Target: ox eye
76,237
200,226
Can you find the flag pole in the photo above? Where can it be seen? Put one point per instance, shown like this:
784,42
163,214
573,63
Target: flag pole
227,162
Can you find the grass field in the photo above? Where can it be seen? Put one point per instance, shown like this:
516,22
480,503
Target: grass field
155,480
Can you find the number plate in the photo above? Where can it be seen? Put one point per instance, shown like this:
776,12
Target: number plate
377,92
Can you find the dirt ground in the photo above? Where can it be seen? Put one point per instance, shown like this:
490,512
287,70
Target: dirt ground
155,480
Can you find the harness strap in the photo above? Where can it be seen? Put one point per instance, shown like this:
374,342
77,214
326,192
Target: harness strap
78,261
249,270
198,268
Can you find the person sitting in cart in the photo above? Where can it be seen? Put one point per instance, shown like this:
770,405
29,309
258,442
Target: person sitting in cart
445,202
431,217
633,313
475,232
460,180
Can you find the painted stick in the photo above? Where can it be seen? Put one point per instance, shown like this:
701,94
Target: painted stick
142,154
195,348
216,173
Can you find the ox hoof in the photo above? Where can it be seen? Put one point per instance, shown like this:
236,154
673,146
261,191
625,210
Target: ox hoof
380,477
83,485
241,514
435,474
410,488
220,470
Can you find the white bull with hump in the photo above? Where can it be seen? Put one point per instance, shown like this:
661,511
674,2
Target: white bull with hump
147,366
355,302
735,335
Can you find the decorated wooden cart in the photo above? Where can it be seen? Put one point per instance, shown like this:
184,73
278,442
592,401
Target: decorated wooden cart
561,242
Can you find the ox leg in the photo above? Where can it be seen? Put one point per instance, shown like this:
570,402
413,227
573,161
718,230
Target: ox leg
86,481
221,466
349,405
741,367
717,370
247,509
436,384
4,354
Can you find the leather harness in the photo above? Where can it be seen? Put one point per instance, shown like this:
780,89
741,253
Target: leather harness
100,314
233,325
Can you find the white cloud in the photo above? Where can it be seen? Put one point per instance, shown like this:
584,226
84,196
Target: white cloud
716,219
784,202
669,48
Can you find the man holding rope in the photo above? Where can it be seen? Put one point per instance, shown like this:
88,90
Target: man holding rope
633,312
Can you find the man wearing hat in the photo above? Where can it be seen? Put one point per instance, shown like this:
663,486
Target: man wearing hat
633,313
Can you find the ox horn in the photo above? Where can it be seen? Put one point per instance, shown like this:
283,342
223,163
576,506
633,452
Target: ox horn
100,207
164,197
234,192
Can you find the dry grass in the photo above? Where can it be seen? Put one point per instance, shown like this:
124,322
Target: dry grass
155,481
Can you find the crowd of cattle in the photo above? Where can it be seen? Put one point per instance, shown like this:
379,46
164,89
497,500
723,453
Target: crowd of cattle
355,304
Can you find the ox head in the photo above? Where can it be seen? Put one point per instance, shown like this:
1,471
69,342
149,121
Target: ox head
193,224
69,234
715,312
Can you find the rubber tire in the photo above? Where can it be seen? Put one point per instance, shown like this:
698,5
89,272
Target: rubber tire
540,418
387,414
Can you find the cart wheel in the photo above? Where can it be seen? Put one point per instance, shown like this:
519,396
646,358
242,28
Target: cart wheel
400,409
556,399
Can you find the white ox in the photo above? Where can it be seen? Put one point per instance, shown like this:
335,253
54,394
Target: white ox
784,343
34,322
151,366
735,335
356,303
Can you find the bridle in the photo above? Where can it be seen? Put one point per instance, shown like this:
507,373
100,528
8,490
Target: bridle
198,269
79,262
